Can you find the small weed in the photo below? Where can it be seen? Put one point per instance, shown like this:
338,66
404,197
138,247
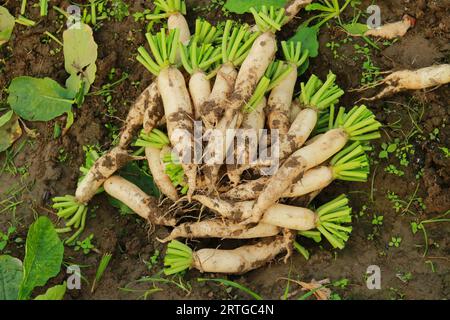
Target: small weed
386,150
333,46
395,242
434,135
404,277
377,220
392,169
445,151
85,245
396,294
63,156
5,237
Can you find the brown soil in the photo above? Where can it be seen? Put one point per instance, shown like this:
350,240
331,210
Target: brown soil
126,237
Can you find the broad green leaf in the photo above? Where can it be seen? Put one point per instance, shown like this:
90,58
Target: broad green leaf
54,293
6,117
36,99
308,37
10,277
243,6
80,54
43,256
356,28
9,132
6,25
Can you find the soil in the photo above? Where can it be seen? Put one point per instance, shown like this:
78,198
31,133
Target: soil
44,173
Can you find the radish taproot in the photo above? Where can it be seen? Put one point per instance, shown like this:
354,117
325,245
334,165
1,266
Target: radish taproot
236,44
175,96
137,200
275,74
103,168
328,218
392,30
197,61
180,257
216,228
146,111
252,70
413,80
294,7
358,124
154,112
280,98
174,11
350,164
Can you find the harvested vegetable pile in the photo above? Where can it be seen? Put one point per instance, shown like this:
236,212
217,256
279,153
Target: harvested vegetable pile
206,84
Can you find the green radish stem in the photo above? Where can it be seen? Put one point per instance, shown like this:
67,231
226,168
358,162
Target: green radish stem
153,143
180,257
198,61
315,98
273,77
175,172
206,33
174,10
358,124
43,4
280,98
73,212
175,96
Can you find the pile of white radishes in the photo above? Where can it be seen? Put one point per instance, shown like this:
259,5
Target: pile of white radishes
225,78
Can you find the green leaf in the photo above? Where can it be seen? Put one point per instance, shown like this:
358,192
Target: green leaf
356,28
37,99
9,131
43,256
243,6
10,277
54,293
80,54
383,154
308,37
6,117
6,25
391,148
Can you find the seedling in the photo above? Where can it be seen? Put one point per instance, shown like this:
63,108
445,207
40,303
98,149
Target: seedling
445,151
330,10
393,170
395,242
377,220
5,237
85,245
387,149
